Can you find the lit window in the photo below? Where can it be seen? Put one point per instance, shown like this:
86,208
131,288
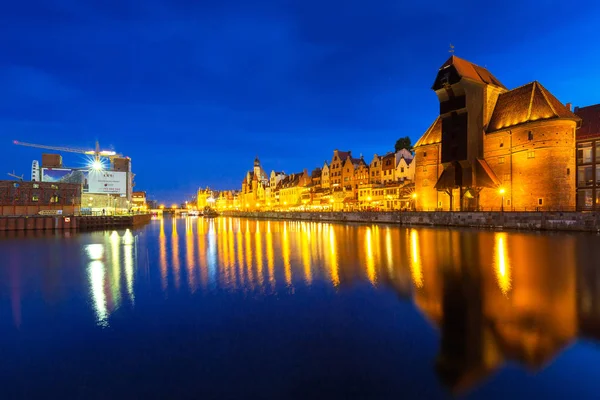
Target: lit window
584,153
585,176
424,168
36,186
500,160
531,154
35,198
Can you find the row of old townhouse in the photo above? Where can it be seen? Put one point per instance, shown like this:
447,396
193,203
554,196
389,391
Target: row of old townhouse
345,183
490,148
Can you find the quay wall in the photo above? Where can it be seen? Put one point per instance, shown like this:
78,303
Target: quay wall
71,223
533,221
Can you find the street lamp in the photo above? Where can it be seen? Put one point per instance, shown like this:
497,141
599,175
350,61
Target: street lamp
502,191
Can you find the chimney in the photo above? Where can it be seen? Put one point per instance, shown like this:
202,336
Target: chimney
569,107
576,109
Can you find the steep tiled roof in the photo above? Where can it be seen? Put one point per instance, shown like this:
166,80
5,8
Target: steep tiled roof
431,135
343,155
469,70
590,122
528,103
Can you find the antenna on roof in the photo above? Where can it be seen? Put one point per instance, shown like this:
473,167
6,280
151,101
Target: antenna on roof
451,50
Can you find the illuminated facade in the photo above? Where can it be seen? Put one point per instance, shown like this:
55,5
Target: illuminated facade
375,170
138,201
491,148
336,168
253,195
205,198
405,168
291,189
588,158
325,176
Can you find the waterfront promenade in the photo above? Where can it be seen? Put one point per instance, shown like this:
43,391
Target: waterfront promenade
533,221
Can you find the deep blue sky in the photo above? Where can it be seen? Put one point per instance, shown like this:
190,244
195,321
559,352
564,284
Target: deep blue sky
193,90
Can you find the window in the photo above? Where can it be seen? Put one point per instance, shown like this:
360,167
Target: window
402,169
597,174
584,153
36,185
530,136
501,142
584,176
508,202
424,168
501,160
506,178
541,201
54,186
598,151
531,154
424,154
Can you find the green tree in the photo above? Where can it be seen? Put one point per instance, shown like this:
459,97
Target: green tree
403,143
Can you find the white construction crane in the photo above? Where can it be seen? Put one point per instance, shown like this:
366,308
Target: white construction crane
97,153
12,175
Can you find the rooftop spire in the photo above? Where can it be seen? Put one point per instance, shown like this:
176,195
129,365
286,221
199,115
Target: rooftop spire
451,50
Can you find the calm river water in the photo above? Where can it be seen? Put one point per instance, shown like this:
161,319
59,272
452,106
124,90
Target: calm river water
243,309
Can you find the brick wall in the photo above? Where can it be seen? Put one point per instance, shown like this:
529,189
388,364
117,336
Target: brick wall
541,168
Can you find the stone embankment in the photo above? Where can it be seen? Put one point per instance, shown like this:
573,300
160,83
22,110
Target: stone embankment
66,222
535,221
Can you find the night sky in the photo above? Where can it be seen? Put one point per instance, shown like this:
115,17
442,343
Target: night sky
193,90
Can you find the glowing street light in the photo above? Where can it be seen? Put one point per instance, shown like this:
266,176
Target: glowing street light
502,191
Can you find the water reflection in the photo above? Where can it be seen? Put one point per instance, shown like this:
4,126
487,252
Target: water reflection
492,297
108,264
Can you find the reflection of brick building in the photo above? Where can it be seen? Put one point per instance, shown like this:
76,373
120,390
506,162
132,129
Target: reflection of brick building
29,198
588,158
491,144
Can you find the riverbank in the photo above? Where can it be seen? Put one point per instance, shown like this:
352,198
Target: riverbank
534,221
70,223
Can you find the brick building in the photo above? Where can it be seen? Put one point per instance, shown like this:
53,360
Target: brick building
336,168
588,158
494,148
29,198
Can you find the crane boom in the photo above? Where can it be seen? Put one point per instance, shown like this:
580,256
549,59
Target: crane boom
55,148
96,153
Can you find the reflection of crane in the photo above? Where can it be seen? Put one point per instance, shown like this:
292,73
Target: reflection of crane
97,153
15,176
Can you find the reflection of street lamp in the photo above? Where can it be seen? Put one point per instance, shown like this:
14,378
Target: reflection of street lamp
502,191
